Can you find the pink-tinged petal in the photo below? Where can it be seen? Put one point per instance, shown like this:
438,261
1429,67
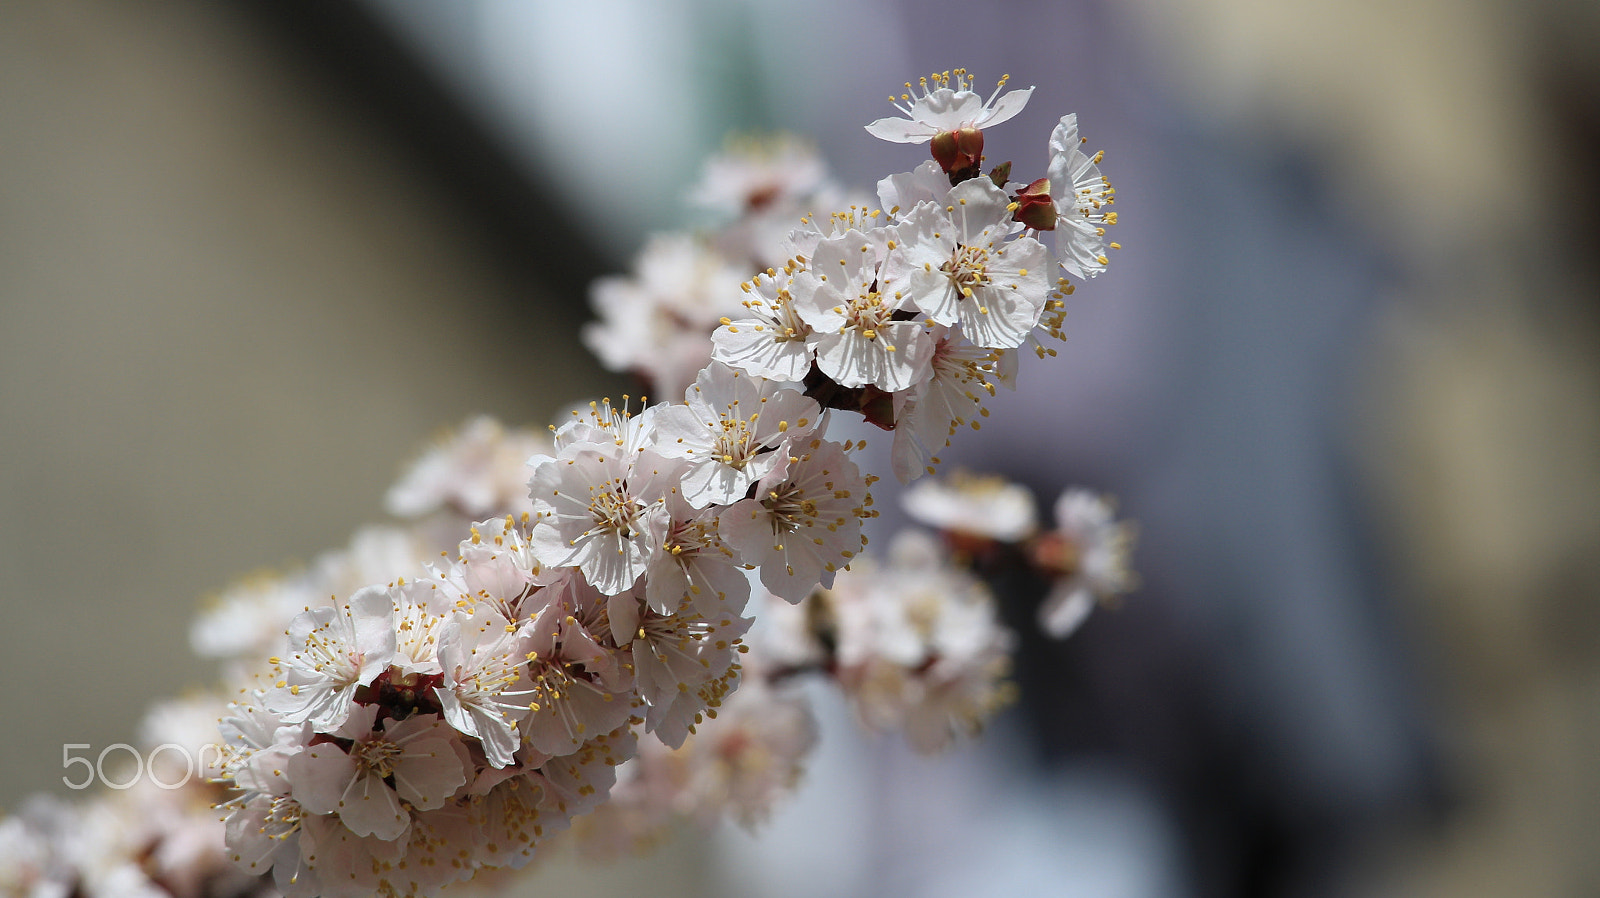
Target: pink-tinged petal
456,714
267,770
321,774
899,130
713,483
978,204
623,611
717,584
359,724
987,320
666,586
308,621
910,453
371,613
499,741
678,424
256,838
1007,107
431,771
370,808
1068,163
794,570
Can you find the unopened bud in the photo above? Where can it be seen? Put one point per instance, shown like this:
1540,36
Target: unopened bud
1040,187
877,407
959,153
944,149
1035,209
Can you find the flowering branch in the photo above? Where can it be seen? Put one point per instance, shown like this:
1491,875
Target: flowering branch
589,612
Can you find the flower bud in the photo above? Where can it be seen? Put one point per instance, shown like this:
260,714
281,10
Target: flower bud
1035,209
959,153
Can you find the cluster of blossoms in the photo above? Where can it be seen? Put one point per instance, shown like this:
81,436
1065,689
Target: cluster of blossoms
560,625
990,525
908,307
913,641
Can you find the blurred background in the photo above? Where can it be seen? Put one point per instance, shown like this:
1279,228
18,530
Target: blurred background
1345,377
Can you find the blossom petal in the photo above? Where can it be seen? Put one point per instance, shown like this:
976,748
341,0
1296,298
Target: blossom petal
1007,107
899,130
370,808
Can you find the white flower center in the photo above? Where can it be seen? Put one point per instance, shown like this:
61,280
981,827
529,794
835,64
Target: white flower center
613,509
788,508
282,819
733,445
333,658
967,268
867,314
377,757
691,537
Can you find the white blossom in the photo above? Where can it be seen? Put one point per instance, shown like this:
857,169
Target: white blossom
579,686
684,665
655,322
420,755
957,265
1081,196
695,567
987,506
927,183
485,681
476,471
598,503
919,645
804,521
926,417
857,338
729,430
333,652
942,107
1089,550
755,175
769,339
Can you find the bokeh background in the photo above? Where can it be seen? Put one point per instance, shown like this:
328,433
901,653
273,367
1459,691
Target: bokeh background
1346,377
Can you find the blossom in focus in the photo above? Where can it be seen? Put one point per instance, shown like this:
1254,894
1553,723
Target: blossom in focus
804,522
598,502
580,686
900,193
418,760
769,339
1081,196
333,652
536,620
728,431
857,338
484,684
941,108
695,568
927,415
684,665
958,266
